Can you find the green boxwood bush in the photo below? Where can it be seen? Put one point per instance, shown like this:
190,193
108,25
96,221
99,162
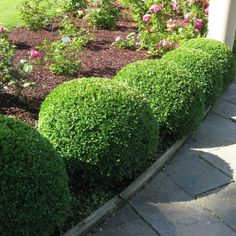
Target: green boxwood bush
203,68
223,55
34,192
175,96
101,127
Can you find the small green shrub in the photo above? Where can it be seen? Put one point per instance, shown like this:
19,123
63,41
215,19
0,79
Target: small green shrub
175,96
224,58
102,14
34,193
101,127
203,68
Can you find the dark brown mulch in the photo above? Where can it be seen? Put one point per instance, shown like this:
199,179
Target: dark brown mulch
99,58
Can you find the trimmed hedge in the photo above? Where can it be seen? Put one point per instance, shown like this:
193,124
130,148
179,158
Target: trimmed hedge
224,58
203,68
34,193
101,127
175,96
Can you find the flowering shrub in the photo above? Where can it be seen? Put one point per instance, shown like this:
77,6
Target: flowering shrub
38,13
69,31
63,55
102,14
131,41
10,74
165,23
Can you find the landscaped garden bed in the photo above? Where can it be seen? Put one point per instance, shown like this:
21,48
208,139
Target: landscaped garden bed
93,84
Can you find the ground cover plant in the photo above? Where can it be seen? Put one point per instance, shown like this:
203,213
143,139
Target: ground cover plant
114,117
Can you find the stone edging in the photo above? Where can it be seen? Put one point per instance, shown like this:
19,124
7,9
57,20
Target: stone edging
86,225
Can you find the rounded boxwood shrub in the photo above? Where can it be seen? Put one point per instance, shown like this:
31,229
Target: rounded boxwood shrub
203,68
224,58
101,127
175,96
34,192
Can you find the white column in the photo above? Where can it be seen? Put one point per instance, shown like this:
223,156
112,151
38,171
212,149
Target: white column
222,21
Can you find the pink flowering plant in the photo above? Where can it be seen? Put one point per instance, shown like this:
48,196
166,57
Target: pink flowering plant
163,24
14,74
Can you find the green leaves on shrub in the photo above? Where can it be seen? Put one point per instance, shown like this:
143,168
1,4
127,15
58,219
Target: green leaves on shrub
203,68
174,94
224,58
34,194
102,127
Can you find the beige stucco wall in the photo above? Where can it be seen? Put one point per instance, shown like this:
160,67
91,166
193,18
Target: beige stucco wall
222,21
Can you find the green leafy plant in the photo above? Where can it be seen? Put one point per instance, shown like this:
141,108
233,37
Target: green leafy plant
102,14
130,42
62,56
38,13
176,97
224,58
203,68
79,35
34,193
11,74
78,5
105,130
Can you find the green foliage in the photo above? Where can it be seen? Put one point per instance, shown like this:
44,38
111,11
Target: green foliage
76,5
130,42
80,35
174,94
224,58
62,56
203,68
11,74
102,14
38,13
34,193
104,129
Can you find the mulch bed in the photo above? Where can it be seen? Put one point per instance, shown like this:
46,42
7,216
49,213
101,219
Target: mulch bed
99,58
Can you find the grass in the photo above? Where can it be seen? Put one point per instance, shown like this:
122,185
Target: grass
10,16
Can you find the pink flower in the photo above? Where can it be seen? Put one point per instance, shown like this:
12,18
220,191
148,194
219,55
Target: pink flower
165,43
187,18
175,5
118,39
147,17
206,11
35,54
198,25
2,29
155,8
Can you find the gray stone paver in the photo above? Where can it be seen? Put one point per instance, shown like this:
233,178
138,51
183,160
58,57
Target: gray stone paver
223,204
215,132
230,94
223,158
170,205
193,174
172,212
133,228
124,215
225,109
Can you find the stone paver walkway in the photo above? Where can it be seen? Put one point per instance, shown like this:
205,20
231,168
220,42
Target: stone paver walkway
195,195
